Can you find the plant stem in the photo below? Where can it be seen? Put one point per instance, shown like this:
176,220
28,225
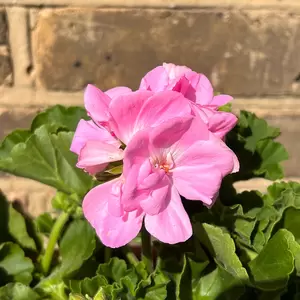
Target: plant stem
146,249
107,254
132,259
54,236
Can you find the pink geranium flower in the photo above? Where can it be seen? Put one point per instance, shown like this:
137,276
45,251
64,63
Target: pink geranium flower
198,89
125,114
178,157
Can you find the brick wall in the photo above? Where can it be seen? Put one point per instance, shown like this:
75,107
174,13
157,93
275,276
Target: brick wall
50,50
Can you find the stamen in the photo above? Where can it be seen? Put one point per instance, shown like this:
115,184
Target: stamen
165,167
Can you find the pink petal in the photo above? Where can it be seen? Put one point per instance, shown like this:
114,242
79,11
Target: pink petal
124,111
117,91
136,167
204,91
161,107
236,163
156,80
221,123
96,103
88,130
159,195
181,86
175,71
172,225
221,100
207,155
115,207
95,153
92,170
113,231
176,135
200,169
197,184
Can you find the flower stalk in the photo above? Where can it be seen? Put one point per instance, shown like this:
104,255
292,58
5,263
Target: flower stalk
54,236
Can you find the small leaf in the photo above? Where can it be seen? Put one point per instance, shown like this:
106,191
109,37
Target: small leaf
291,222
52,287
273,265
17,291
259,128
44,223
271,154
66,117
222,248
115,170
100,295
226,107
115,269
17,267
76,246
76,297
217,284
90,286
18,230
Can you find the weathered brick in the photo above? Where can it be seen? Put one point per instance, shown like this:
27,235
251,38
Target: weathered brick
11,119
34,197
5,69
159,3
244,52
3,27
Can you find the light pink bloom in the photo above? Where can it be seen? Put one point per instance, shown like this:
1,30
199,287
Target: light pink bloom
95,146
198,89
126,114
178,157
97,102
102,208
143,109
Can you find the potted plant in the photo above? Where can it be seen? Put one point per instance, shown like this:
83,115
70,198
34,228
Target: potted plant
145,206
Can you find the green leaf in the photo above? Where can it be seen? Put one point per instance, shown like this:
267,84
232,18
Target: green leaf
158,289
217,284
90,286
17,291
253,142
115,269
17,267
226,107
87,286
18,230
76,246
44,223
52,287
271,153
257,217
291,222
115,170
260,129
16,137
14,228
66,117
273,265
4,219
221,246
46,157
158,292
199,281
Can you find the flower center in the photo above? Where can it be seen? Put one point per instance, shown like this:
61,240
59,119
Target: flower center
165,167
166,163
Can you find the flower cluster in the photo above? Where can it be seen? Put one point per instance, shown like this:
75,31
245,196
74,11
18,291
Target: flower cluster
169,136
